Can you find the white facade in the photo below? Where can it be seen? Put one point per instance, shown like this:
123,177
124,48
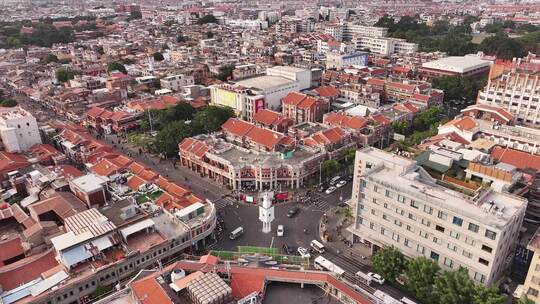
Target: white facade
336,60
350,30
18,129
335,31
177,82
517,93
397,203
384,46
303,76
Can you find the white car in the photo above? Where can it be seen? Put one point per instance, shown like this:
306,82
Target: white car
330,190
341,183
303,252
280,230
376,277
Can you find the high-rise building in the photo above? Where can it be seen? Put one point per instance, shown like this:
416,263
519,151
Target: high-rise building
397,203
515,87
18,129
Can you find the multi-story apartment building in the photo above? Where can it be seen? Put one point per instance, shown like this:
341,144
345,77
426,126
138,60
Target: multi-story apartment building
515,87
531,287
383,45
175,83
304,108
350,30
397,203
18,129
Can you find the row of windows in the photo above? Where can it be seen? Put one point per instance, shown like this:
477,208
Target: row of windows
440,214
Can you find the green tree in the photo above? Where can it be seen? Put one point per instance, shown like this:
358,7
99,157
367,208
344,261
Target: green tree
211,119
134,15
50,58
426,119
8,103
401,127
225,72
525,300
207,19
454,287
389,263
116,66
158,56
385,21
502,46
65,74
329,167
488,295
170,136
181,38
421,273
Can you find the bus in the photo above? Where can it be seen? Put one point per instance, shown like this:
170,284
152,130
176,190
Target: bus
317,246
236,233
323,264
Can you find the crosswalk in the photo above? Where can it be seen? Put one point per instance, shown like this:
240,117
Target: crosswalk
224,202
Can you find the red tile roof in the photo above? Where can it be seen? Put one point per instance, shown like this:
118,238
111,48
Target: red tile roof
492,109
193,146
10,249
11,161
516,158
149,291
266,117
464,123
237,127
26,270
299,100
327,91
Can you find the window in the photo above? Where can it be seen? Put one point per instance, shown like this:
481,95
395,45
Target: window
425,222
448,262
483,261
436,240
415,204
395,236
479,277
401,198
384,217
467,254
423,234
454,234
457,221
382,230
434,256
398,223
372,226
486,248
441,215
407,243
388,193
452,247
412,216
532,292
409,228
490,234
375,188
420,249
439,228
428,209
469,241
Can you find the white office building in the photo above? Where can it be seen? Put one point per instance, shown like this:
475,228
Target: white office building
18,129
350,30
177,82
397,203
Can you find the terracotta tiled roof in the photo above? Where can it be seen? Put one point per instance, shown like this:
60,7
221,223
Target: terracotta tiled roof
136,167
381,119
10,249
194,146
105,168
376,81
135,182
63,204
401,86
265,137
149,291
346,121
26,270
11,161
491,171
299,100
327,91
463,123
237,127
516,158
266,117
492,109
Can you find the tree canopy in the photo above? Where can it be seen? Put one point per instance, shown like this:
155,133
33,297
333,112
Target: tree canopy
454,287
65,74
158,56
389,263
225,72
8,103
207,19
502,46
420,276
329,167
116,66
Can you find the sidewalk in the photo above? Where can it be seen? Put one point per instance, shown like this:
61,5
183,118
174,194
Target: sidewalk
336,226
191,180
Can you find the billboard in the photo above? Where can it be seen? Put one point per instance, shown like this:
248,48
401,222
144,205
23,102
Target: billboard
259,105
226,98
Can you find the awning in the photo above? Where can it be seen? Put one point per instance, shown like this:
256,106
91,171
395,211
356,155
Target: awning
136,227
101,243
48,283
75,255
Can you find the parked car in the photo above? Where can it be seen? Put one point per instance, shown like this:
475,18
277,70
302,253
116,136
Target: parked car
292,212
341,183
334,180
304,252
376,277
330,190
280,230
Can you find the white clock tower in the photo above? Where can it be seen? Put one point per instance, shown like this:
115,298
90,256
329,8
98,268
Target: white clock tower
266,211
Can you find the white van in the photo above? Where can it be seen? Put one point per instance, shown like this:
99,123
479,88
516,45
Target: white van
236,233
317,246
280,230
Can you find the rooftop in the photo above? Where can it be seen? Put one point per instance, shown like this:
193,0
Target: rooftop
264,82
458,64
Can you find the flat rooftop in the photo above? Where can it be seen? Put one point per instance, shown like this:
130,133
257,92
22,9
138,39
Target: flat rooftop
457,64
240,158
289,69
264,82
